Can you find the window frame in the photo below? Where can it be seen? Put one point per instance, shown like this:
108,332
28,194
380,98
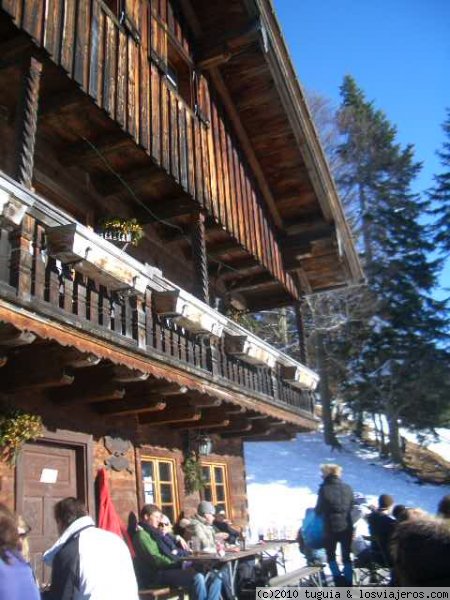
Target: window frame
211,464
174,481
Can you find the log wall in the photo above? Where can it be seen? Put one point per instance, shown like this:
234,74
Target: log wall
125,68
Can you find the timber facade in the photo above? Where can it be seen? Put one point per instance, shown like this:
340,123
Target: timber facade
185,115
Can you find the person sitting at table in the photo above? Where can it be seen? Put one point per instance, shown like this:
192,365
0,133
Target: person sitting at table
202,529
154,568
169,543
222,524
201,526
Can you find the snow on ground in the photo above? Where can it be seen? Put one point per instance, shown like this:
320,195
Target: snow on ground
283,479
439,445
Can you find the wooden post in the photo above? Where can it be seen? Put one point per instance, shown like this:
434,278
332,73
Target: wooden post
26,123
301,332
200,259
138,321
22,257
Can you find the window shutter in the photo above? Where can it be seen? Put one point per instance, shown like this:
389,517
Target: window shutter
203,103
158,39
130,18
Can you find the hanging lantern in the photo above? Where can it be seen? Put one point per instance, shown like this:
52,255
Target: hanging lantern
204,445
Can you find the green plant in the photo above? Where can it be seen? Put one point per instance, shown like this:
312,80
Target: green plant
16,428
122,228
193,478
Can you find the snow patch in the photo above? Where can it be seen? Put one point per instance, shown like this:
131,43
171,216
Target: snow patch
283,479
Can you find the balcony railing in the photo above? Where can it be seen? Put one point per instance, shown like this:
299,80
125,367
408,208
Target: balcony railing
67,272
123,76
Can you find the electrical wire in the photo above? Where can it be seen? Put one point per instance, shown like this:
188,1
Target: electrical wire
145,207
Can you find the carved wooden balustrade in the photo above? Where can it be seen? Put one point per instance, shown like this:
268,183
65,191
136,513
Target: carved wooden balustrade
58,290
123,66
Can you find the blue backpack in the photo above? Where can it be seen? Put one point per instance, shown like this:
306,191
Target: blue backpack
313,529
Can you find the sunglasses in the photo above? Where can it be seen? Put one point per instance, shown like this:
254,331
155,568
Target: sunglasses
23,533
164,525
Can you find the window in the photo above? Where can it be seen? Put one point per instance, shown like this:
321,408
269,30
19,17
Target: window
179,72
115,6
216,485
159,483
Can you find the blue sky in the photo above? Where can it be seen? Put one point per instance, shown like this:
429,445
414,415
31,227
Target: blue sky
397,50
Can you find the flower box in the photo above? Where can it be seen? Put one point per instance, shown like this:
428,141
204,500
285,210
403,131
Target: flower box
251,350
79,246
300,376
188,312
114,236
12,209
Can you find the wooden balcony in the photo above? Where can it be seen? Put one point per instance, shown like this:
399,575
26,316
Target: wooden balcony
84,283
109,113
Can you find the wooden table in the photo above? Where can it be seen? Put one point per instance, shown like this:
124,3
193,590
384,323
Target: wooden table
231,559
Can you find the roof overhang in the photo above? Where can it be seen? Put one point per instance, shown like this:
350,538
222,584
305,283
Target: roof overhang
258,85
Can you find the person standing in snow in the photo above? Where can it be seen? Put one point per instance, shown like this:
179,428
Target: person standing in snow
335,504
87,563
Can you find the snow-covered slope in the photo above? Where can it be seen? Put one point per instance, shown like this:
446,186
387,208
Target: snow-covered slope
283,478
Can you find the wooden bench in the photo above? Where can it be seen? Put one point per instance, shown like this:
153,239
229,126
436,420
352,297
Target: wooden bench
306,575
161,593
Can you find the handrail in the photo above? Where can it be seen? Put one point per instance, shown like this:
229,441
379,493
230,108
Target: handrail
78,287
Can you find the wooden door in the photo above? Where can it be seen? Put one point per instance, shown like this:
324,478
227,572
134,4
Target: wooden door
46,473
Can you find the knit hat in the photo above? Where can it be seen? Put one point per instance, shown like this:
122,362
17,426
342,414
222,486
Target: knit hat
206,508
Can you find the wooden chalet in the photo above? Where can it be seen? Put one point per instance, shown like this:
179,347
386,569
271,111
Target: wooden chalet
187,116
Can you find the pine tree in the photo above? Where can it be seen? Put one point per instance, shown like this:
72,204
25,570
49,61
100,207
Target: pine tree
391,372
440,194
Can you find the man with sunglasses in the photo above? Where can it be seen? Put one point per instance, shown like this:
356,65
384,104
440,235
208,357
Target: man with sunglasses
156,568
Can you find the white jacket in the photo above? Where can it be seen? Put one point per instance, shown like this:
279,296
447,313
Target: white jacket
90,564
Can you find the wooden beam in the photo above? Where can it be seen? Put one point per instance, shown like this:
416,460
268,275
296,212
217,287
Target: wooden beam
82,153
162,388
221,50
84,395
123,374
72,99
199,257
12,337
43,365
79,360
181,414
234,409
133,407
242,269
204,401
303,240
32,380
218,250
241,425
252,283
13,50
169,209
107,184
259,417
305,225
26,121
210,419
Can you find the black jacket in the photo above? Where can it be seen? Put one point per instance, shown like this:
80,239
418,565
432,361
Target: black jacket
65,571
381,529
335,503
